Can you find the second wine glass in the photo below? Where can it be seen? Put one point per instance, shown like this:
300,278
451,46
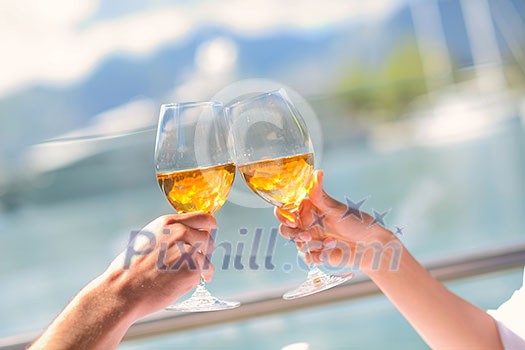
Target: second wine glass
275,156
193,161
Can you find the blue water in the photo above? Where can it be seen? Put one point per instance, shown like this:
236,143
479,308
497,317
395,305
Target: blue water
450,200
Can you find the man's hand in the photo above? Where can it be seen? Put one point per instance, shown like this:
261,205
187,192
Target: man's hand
100,314
171,268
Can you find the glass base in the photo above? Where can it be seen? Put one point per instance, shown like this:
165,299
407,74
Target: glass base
201,300
316,282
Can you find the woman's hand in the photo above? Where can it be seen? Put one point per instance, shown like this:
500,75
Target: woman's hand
338,235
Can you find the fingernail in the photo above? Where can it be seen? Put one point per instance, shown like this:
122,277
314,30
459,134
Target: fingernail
330,243
305,236
289,218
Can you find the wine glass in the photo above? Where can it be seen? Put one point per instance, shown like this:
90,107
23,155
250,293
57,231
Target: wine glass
195,171
275,156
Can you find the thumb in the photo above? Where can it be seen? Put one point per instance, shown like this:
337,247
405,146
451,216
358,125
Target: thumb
317,195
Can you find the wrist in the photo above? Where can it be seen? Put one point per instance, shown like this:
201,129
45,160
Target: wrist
105,294
106,310
380,252
94,319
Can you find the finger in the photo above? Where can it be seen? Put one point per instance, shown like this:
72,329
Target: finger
202,240
195,220
176,251
317,194
289,232
305,236
316,191
184,257
335,257
206,268
329,243
315,245
316,256
306,213
308,258
285,217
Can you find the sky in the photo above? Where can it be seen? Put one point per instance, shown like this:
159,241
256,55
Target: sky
61,41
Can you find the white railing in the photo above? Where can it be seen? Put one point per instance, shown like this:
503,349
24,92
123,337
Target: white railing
271,302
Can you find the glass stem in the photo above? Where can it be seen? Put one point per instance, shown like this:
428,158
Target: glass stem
201,292
202,283
311,264
297,218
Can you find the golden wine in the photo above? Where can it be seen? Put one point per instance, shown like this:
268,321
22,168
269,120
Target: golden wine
203,189
283,182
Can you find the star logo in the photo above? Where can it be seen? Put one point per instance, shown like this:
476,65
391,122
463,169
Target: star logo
379,217
352,208
399,230
318,219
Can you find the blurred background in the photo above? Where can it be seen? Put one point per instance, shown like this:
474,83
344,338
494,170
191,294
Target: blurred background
421,104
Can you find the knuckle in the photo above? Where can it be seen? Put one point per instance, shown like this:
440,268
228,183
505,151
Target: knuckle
212,219
166,219
178,229
187,248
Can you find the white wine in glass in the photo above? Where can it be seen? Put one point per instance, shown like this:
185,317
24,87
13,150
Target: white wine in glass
283,182
195,171
275,156
203,189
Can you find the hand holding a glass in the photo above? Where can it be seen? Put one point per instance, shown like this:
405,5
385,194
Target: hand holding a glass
337,235
99,315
